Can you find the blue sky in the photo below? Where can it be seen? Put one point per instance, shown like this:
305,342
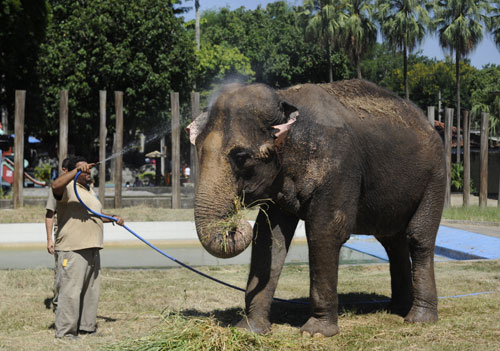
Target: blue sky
485,53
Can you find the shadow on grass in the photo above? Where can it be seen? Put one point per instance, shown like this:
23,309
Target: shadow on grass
297,312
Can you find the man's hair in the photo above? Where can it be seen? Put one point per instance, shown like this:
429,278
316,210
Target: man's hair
73,160
65,162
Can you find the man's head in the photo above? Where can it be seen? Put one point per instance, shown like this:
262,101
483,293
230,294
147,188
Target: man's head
75,162
65,165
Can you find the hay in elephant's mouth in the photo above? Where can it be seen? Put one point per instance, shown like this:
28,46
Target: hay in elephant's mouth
226,227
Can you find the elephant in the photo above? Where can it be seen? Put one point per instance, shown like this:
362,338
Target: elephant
347,157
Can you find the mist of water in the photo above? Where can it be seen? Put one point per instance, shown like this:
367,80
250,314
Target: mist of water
149,137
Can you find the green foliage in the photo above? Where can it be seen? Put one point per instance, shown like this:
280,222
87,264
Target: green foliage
42,172
218,62
483,97
139,47
23,25
403,25
493,21
459,24
357,29
457,178
274,42
5,194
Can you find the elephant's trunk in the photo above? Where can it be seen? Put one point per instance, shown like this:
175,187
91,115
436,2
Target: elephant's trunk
219,223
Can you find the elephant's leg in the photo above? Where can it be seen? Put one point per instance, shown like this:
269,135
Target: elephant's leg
325,235
400,268
421,232
272,237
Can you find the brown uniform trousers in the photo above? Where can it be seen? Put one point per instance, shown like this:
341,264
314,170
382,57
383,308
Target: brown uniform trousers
79,280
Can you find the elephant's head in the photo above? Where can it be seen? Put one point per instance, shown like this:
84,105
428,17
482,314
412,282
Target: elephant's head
238,142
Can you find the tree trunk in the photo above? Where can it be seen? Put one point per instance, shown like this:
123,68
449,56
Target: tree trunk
330,69
358,67
197,24
405,71
457,73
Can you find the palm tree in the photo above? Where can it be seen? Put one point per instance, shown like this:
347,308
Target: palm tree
403,24
358,31
323,25
197,23
493,22
460,29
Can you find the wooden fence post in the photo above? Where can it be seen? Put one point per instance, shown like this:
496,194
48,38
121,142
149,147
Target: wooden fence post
448,120
459,151
466,193
430,115
119,147
483,174
102,146
176,151
63,128
195,112
18,200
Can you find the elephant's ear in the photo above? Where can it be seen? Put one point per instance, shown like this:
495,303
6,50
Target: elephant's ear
196,127
291,113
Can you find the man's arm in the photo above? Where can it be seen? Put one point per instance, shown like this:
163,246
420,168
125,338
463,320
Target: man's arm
49,224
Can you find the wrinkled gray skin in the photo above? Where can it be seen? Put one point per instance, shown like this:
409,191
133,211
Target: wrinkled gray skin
340,169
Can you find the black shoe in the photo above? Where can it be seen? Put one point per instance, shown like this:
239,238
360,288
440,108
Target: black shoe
86,332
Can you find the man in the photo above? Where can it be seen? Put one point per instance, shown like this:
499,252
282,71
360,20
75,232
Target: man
50,227
78,241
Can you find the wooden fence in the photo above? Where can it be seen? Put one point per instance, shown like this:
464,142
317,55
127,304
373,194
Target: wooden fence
117,168
195,110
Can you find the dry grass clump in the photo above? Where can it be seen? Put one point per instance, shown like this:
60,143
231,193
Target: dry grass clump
224,228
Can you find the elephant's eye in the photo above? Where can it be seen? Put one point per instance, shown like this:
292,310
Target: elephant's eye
241,158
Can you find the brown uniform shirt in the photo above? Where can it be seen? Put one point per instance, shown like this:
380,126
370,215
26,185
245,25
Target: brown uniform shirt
78,229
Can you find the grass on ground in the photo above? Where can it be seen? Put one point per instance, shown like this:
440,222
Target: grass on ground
174,309
36,214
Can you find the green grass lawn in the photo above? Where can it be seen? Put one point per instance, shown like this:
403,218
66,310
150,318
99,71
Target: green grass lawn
174,309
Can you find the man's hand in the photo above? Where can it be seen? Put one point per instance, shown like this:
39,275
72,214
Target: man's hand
119,220
50,246
84,167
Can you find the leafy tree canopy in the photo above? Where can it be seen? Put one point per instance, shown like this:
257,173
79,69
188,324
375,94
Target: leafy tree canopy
273,40
23,24
139,47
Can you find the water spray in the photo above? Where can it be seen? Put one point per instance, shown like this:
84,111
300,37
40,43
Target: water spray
149,138
113,219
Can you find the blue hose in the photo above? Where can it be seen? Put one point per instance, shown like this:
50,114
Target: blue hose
218,280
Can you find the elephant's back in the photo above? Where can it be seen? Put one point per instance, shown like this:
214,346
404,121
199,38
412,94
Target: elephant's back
371,103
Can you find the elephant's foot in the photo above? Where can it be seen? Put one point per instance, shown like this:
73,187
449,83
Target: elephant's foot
422,315
319,327
255,326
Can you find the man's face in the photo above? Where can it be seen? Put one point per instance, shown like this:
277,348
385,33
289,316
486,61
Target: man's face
84,177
